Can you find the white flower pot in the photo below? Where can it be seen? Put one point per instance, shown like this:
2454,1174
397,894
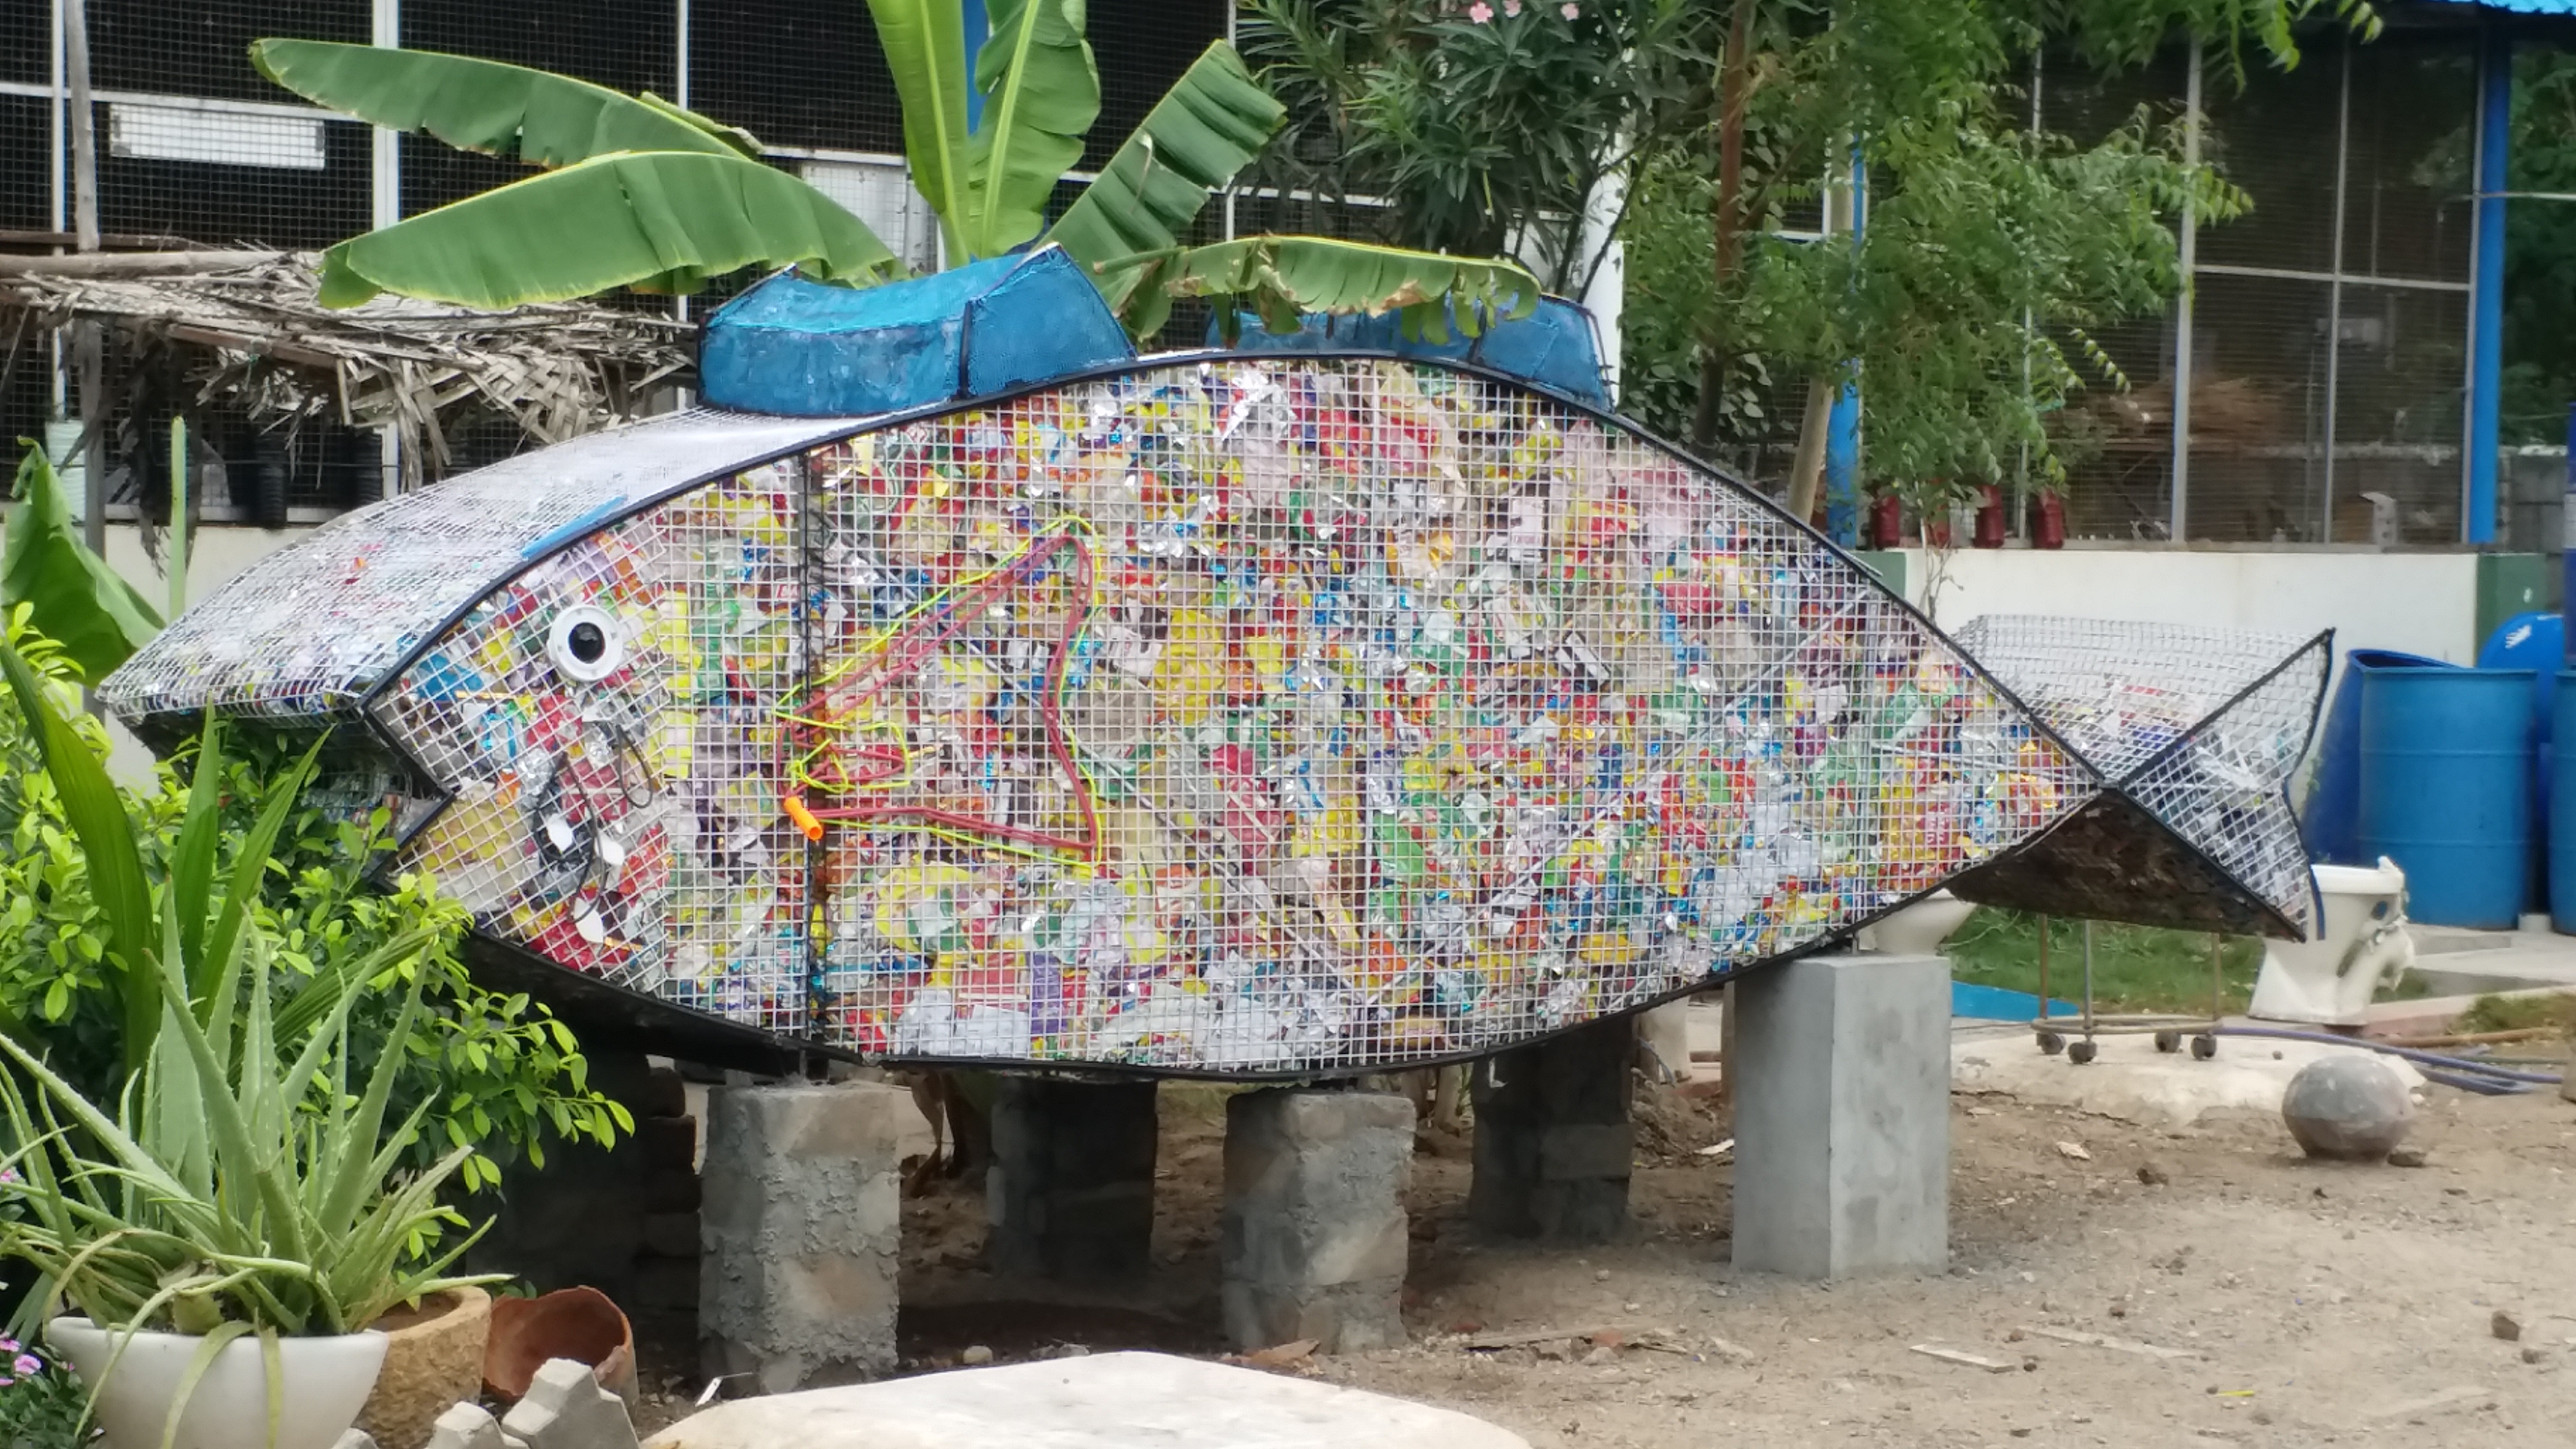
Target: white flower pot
326,1382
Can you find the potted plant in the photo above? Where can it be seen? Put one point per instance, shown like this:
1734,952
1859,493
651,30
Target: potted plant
226,1233
227,1236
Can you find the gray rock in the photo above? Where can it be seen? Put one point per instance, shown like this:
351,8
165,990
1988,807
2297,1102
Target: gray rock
466,1426
1106,1401
565,1408
2349,1105
355,1439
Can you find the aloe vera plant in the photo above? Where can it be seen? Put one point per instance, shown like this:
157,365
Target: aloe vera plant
238,1186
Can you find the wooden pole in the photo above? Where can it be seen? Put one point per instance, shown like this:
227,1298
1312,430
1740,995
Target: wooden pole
87,343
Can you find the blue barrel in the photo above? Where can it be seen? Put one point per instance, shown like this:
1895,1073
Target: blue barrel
2446,789
2330,814
2562,815
2536,642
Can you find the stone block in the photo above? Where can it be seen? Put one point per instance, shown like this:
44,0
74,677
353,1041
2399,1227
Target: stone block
1105,1401
1554,1146
565,1408
664,1092
355,1439
1070,1192
1842,1116
466,1426
670,1143
671,1191
1313,1237
671,1235
666,1283
799,1233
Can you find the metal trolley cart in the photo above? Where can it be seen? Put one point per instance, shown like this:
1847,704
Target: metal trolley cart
2168,1029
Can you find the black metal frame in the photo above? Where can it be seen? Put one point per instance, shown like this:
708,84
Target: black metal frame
718,1040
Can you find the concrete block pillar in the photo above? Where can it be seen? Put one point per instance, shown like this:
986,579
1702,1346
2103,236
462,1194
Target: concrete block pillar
798,1234
1842,1116
1553,1141
1313,1237
1070,1193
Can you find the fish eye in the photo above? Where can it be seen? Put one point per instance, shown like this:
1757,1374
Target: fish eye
586,643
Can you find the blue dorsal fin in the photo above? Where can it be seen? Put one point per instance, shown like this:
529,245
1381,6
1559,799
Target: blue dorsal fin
1552,348
805,349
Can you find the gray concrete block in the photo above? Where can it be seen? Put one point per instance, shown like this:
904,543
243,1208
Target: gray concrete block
565,1408
1842,1116
1313,1239
1070,1192
1554,1146
466,1426
799,1234
355,1439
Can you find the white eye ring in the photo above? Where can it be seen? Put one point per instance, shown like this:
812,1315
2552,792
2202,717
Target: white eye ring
586,643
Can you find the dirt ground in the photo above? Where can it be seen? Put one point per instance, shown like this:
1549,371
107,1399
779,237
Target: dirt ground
2322,1303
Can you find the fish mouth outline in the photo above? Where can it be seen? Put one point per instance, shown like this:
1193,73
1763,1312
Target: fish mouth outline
2083,773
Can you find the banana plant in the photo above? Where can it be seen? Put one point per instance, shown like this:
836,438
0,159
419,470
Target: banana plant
661,199
77,599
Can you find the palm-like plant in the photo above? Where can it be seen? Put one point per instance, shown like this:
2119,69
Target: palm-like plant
639,193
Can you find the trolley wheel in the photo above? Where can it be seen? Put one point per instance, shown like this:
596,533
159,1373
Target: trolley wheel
2204,1046
2168,1041
2080,1052
2050,1043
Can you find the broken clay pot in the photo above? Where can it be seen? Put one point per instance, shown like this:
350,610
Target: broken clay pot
575,1323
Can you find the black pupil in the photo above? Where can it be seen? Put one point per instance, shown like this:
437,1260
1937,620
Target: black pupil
589,642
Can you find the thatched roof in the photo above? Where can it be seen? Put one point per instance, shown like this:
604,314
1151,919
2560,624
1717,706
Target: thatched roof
251,335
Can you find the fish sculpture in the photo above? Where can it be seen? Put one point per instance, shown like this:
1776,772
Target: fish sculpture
1242,713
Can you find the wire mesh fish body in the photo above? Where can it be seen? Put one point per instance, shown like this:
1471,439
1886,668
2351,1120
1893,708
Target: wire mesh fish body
1231,715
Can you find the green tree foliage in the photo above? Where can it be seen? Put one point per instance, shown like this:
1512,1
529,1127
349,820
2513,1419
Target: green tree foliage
2540,250
1992,254
494,1072
1479,137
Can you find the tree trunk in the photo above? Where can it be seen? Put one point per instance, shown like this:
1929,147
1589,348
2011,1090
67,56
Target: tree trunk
1806,473
1728,222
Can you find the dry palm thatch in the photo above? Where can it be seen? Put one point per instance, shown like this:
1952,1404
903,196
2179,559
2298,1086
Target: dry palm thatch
247,332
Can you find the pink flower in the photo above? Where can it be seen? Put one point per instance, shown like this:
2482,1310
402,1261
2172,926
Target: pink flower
1480,12
1570,10
27,1365
1512,9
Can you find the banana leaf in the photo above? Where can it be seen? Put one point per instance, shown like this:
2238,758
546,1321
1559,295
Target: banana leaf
1208,126
77,600
665,219
1282,277
925,46
1041,94
117,885
484,105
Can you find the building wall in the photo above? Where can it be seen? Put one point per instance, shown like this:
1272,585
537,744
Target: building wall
2422,603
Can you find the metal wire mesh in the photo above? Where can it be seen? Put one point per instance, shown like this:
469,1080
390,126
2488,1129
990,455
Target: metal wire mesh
1312,715
1276,714
2201,727
306,632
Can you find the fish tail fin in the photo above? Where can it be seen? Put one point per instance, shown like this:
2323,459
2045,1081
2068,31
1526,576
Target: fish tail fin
2194,734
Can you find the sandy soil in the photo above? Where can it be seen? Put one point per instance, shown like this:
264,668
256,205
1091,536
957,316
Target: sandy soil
2323,1303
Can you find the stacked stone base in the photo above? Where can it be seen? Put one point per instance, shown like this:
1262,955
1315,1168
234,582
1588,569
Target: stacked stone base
1314,1236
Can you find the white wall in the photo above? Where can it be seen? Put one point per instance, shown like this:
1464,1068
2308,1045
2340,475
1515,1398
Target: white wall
2422,603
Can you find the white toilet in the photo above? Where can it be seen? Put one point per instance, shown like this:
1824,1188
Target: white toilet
2329,979
1919,929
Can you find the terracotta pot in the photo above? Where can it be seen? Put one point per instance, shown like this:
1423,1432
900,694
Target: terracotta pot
1887,521
580,1324
1990,518
433,1358
2047,521
325,1380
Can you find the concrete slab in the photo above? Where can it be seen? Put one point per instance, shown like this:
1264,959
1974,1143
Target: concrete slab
1106,1401
2435,1015
2454,962
2133,1081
